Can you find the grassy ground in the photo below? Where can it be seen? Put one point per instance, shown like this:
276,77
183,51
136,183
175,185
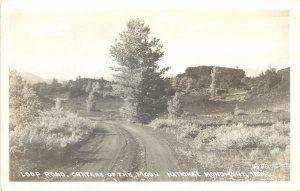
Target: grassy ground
251,119
232,147
204,105
106,107
255,142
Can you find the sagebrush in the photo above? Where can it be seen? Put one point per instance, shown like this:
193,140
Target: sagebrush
49,136
232,147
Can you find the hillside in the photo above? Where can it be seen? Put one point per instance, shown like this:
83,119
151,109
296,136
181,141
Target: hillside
32,78
278,95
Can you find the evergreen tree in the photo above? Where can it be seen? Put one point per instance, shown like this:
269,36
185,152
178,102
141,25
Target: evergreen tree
54,84
137,74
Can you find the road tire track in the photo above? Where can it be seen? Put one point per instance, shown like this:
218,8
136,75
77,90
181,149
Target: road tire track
120,147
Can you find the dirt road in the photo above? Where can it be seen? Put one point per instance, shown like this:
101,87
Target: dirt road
126,151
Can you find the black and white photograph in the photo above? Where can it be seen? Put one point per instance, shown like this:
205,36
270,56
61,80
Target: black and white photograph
147,95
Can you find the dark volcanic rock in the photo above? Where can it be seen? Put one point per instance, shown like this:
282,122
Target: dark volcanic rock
199,77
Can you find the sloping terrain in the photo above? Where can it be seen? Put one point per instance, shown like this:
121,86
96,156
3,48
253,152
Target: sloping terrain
32,78
277,96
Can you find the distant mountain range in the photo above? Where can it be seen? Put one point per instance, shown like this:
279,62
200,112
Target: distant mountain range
32,78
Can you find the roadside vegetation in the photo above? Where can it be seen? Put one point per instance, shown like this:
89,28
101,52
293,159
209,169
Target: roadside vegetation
232,147
39,140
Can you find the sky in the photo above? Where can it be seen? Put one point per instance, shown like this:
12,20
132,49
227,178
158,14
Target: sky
66,44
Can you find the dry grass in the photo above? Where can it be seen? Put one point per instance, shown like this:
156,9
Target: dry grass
48,138
233,147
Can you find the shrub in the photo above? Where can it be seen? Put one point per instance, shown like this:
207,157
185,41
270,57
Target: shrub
162,123
269,79
187,131
187,114
240,112
254,154
281,128
281,162
228,119
183,129
240,136
276,140
205,136
23,102
224,147
53,133
274,152
55,129
235,139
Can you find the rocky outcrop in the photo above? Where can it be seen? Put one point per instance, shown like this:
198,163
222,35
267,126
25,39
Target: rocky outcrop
199,77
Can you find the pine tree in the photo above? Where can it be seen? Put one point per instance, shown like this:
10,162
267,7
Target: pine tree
54,84
138,77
